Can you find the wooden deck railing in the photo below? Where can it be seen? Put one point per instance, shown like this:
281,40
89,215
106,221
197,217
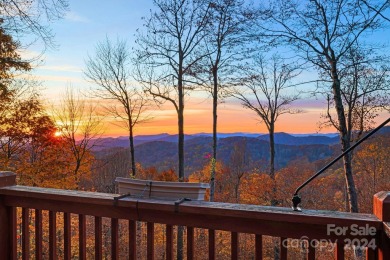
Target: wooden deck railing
311,225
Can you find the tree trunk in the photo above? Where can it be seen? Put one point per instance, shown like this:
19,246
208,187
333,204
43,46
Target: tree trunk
180,243
132,158
181,141
274,201
76,174
352,195
180,229
237,191
345,141
272,151
215,140
180,117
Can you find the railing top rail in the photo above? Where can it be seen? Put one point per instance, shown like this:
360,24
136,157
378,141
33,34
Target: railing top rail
386,227
224,216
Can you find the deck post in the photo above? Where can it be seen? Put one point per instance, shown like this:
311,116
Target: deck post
6,247
382,211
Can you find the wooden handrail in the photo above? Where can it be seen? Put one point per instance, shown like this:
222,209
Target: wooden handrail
235,218
273,221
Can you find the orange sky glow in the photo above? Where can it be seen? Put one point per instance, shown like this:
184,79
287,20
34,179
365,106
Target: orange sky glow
231,118
83,27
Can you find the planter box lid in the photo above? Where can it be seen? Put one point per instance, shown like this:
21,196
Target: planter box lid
162,189
200,185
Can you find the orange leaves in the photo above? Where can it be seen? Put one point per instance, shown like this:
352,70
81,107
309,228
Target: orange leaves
223,183
257,189
28,146
152,173
47,166
372,169
168,175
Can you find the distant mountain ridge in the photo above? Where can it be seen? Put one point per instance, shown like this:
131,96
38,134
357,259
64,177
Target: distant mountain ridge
160,151
280,138
287,139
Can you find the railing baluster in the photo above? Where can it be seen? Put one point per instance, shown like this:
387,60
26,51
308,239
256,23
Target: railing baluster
283,249
82,237
382,212
169,242
190,243
383,245
234,245
211,244
150,241
67,236
25,234
311,254
132,240
13,228
52,235
8,225
258,247
38,234
339,250
17,202
371,253
114,238
98,238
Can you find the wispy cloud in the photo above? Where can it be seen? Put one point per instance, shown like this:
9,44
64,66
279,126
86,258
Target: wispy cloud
74,17
67,68
28,54
53,78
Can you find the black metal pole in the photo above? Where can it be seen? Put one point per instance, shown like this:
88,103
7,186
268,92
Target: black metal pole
296,199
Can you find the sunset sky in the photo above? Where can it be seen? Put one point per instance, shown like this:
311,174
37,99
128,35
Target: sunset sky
90,21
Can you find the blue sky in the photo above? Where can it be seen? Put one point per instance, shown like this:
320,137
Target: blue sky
91,21
87,23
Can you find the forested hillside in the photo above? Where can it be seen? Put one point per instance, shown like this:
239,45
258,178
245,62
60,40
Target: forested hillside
163,154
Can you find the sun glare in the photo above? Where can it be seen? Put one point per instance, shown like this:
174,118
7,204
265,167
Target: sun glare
57,133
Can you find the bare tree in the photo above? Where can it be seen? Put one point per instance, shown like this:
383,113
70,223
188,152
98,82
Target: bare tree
21,18
225,44
110,165
267,90
365,92
170,49
323,32
80,127
110,70
166,55
239,165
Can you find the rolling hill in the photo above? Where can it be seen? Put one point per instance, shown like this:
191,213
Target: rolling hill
163,154
160,151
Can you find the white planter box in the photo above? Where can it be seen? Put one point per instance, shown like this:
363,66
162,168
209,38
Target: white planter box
162,189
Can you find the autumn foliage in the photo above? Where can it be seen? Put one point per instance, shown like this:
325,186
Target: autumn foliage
30,147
